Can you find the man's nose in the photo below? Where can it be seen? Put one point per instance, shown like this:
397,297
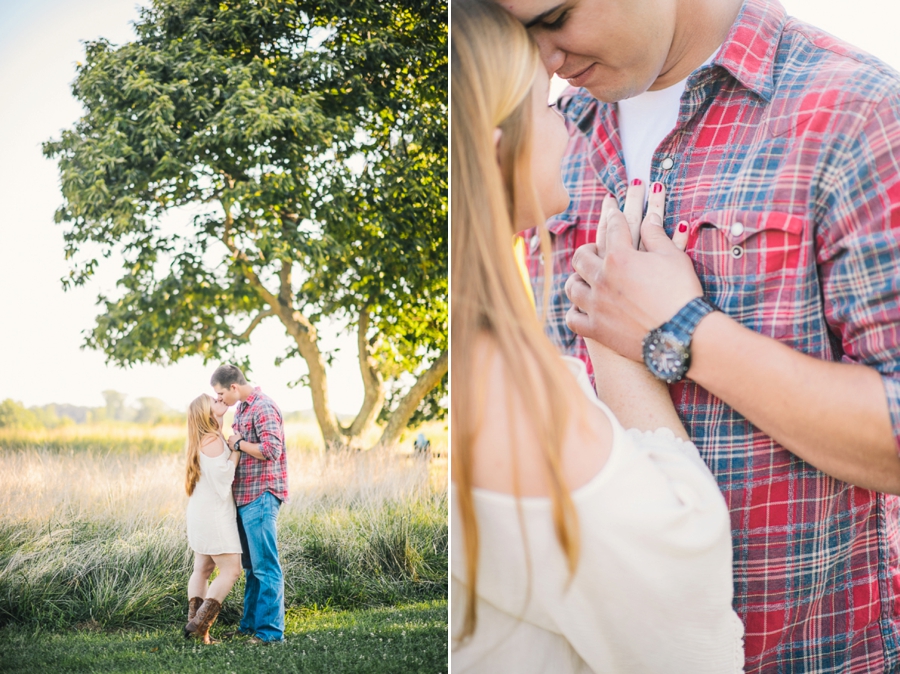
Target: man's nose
552,56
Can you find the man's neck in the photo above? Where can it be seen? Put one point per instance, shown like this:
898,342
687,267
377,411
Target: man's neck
245,392
701,28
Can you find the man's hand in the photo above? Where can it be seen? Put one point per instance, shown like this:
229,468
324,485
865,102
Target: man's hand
620,293
232,439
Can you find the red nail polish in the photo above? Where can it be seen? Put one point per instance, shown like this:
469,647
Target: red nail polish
636,182
682,227
657,188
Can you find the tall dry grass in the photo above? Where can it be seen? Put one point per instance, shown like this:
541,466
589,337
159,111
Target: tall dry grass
96,532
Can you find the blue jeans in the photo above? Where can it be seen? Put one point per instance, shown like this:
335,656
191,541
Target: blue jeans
264,581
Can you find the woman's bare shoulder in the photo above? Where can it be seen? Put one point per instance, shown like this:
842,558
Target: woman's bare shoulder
507,434
211,445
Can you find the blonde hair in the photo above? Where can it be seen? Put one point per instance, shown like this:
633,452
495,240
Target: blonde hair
200,423
494,67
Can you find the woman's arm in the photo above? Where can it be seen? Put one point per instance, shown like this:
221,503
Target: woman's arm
507,455
637,398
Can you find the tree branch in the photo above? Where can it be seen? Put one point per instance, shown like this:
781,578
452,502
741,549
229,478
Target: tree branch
285,291
303,332
255,322
401,416
241,258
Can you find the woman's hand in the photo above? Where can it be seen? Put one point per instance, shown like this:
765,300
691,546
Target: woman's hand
619,291
633,211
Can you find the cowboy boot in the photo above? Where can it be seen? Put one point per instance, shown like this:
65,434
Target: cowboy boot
205,638
206,616
193,604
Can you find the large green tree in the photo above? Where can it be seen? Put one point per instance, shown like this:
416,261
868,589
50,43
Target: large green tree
255,160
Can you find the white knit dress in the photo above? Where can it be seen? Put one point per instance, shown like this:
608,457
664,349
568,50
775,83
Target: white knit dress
653,589
211,513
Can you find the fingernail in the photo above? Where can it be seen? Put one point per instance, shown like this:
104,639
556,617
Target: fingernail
682,227
636,182
657,188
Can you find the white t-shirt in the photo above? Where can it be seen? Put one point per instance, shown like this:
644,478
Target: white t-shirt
645,121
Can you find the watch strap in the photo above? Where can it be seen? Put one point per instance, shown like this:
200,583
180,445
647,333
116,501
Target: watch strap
687,318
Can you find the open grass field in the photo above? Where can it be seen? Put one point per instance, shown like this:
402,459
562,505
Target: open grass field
94,558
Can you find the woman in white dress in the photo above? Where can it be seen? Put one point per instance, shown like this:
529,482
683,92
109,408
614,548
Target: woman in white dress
211,515
578,545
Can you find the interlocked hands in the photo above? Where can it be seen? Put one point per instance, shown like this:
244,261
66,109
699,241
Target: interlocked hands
634,277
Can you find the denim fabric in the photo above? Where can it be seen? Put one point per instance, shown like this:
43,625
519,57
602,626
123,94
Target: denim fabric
264,581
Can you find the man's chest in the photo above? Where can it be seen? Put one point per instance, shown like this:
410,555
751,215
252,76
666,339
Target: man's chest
244,422
749,199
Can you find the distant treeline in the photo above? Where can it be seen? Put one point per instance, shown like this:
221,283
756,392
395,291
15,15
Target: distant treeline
148,411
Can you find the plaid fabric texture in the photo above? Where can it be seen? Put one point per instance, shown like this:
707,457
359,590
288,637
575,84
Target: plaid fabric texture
785,163
258,420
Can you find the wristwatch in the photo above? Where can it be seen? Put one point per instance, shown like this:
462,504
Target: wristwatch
237,444
667,349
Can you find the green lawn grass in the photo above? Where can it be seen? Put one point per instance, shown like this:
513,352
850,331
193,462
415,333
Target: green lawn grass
399,639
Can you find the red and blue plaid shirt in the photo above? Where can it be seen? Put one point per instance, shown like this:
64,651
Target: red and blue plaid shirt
786,163
258,420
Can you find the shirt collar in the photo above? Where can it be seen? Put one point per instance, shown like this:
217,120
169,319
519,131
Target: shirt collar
748,52
251,398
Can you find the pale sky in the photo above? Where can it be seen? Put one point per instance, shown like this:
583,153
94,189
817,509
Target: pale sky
40,325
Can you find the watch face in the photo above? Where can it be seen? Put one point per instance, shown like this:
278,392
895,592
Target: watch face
666,356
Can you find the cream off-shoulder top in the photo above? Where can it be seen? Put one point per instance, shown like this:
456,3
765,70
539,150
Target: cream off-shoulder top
653,588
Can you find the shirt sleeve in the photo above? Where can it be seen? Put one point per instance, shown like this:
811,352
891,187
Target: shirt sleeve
269,427
858,244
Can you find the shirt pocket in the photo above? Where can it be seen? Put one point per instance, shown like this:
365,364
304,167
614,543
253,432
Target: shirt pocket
245,427
755,266
748,243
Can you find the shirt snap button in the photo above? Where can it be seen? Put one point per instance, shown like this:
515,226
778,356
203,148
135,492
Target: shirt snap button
737,229
613,169
737,252
667,163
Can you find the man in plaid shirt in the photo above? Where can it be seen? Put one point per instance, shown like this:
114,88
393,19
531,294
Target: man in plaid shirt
783,176
260,487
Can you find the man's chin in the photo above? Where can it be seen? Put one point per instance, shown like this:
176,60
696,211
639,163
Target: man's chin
608,94
609,91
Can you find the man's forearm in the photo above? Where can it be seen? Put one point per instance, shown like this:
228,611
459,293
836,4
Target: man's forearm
832,415
252,449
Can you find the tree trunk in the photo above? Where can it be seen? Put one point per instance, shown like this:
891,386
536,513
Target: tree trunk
400,416
305,336
373,382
